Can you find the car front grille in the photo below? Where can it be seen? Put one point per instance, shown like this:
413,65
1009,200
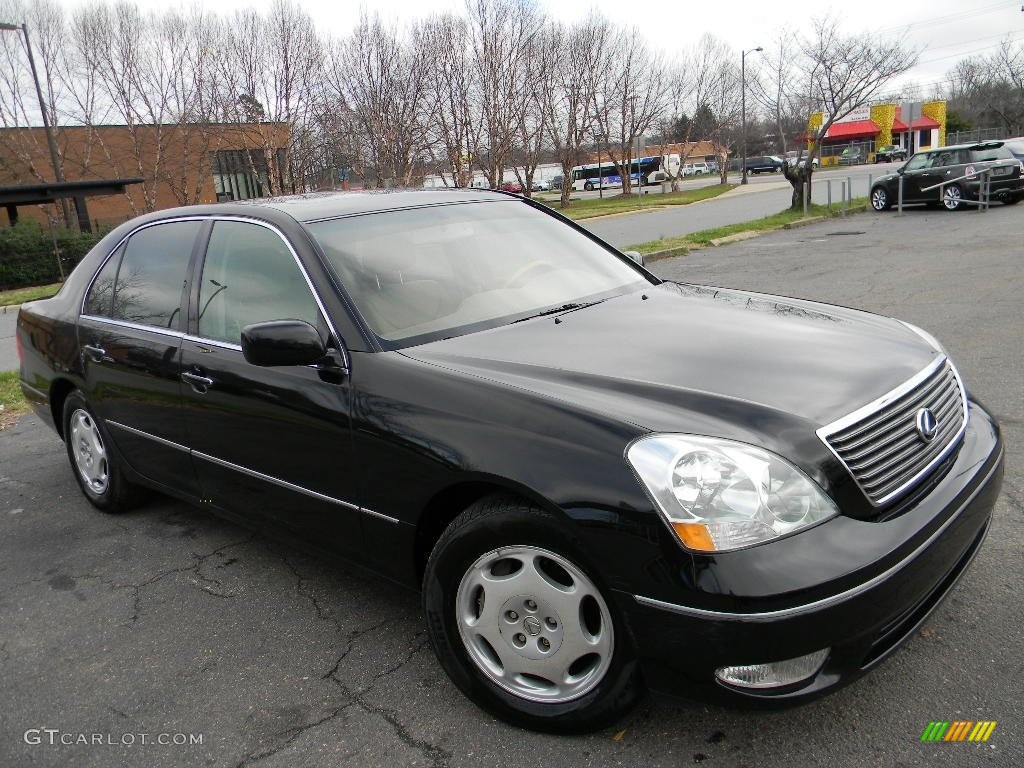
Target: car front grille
881,444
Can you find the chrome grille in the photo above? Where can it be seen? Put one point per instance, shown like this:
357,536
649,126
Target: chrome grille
880,443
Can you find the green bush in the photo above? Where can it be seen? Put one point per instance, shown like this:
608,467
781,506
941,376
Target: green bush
27,253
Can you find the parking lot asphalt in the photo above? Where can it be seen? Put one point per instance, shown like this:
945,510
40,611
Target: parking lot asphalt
170,624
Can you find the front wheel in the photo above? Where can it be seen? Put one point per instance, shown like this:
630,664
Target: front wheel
1011,200
521,625
953,198
880,199
588,187
96,468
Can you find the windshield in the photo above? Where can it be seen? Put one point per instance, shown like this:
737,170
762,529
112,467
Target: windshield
421,274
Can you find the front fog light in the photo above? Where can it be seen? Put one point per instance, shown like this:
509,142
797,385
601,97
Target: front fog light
773,674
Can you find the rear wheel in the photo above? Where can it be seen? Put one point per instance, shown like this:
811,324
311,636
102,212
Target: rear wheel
880,199
95,466
521,625
1011,200
953,198
588,187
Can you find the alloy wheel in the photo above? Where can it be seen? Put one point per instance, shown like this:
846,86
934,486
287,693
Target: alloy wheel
88,451
534,624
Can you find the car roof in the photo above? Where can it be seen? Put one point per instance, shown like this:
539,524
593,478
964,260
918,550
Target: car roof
975,145
318,206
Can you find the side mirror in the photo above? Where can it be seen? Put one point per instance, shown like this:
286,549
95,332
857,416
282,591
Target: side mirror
902,169
282,342
635,256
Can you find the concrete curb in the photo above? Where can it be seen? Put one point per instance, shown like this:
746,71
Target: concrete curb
667,253
737,237
9,308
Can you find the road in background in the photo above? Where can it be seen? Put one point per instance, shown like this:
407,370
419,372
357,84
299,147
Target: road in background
170,621
765,195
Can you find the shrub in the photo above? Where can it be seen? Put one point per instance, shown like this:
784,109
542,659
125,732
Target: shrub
27,253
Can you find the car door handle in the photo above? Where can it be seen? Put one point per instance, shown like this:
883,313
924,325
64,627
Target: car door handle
96,354
199,383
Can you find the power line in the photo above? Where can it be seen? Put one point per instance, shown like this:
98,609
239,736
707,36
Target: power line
936,20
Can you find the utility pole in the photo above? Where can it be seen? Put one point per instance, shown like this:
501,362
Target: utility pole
50,138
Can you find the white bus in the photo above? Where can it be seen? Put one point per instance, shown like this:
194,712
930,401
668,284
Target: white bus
644,170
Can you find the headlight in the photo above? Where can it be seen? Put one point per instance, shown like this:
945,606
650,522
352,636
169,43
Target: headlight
719,495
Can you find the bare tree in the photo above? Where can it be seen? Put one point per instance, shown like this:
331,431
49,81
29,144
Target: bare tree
499,32
383,79
844,73
717,83
629,98
454,122
568,91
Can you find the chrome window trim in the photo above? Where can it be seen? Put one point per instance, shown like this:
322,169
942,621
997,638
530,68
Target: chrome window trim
215,218
211,342
292,486
876,405
346,363
135,326
826,602
122,241
253,472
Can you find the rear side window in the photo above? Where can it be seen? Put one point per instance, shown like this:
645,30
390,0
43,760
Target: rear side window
152,273
993,153
101,292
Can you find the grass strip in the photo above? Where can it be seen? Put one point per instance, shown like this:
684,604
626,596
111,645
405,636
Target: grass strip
588,209
771,223
16,296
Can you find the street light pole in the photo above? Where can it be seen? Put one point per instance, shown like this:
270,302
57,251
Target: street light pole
743,109
50,138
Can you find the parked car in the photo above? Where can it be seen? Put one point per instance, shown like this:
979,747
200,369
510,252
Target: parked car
688,169
700,168
512,186
795,156
598,479
888,153
763,164
1016,147
930,167
556,182
853,156
541,185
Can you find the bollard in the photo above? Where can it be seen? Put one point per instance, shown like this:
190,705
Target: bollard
828,188
899,197
849,190
842,195
805,199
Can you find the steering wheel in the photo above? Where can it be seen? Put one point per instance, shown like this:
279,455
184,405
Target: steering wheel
530,266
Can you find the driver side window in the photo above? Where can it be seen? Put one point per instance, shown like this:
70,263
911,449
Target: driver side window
250,276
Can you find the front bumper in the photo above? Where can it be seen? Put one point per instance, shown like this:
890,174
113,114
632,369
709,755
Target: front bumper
859,588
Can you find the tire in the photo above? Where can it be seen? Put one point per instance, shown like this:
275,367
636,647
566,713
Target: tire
588,187
952,198
542,648
93,462
1011,200
880,199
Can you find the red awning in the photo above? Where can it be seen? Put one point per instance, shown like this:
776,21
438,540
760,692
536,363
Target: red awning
925,122
899,126
853,129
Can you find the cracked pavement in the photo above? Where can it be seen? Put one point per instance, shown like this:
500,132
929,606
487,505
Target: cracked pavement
168,620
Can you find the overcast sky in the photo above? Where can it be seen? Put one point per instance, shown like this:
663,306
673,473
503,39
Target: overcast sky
943,30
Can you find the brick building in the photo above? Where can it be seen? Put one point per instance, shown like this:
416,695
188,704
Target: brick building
181,164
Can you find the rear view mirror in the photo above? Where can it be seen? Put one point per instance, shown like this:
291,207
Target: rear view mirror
282,342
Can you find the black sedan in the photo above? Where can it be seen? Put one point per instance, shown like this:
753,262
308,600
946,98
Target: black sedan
600,481
950,176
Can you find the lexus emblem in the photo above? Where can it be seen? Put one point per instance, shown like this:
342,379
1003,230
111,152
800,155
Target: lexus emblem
927,426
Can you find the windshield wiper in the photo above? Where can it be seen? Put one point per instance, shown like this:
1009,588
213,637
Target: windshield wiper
558,310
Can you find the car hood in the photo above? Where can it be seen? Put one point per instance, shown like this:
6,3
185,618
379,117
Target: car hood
661,358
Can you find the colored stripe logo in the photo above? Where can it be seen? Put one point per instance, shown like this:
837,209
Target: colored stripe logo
958,730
